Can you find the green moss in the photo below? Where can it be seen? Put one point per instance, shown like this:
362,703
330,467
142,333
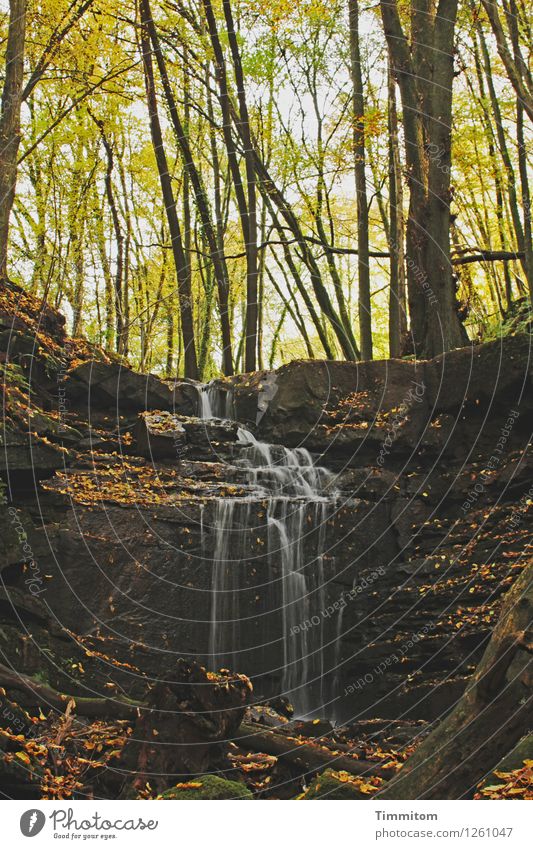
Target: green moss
207,787
333,785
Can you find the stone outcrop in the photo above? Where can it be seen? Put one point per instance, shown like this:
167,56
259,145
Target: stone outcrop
109,535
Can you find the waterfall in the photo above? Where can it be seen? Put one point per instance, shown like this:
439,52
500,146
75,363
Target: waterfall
293,496
214,401
337,658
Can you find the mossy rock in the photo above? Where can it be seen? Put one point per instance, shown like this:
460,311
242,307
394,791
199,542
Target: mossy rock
333,785
207,787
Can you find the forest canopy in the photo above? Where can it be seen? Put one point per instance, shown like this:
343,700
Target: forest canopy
214,186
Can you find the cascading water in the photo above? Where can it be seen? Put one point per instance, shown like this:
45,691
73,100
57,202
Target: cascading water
294,499
214,402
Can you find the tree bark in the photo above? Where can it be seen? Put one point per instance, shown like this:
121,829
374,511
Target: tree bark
423,68
397,306
243,128
201,198
10,120
46,696
493,714
119,238
516,70
512,193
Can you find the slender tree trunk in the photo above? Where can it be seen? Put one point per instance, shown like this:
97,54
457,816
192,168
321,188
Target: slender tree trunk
271,193
526,197
119,239
243,128
363,260
292,310
242,198
100,239
516,68
261,286
269,190
300,285
180,261
397,306
200,195
512,193
523,169
10,120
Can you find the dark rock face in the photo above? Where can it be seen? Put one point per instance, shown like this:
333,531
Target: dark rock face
100,384
351,410
20,453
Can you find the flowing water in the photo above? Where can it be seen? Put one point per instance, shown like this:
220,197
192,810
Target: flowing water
214,402
288,503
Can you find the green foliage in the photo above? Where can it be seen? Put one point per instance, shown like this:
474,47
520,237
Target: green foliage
12,374
518,319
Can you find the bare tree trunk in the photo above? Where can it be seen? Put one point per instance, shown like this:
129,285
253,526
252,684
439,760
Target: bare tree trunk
243,128
526,197
358,104
512,18
300,285
498,184
512,193
180,261
272,193
517,69
119,238
200,194
10,120
397,306
241,197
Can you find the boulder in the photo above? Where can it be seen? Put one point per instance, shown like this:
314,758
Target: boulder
207,787
192,717
116,387
346,407
28,452
493,373
335,785
160,434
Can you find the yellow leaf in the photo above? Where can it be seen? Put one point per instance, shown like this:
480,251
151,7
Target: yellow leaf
367,788
188,785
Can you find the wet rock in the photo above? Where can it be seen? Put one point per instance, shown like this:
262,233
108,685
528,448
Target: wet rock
333,785
213,439
160,435
265,715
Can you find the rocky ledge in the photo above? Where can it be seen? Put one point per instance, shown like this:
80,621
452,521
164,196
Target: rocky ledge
111,483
